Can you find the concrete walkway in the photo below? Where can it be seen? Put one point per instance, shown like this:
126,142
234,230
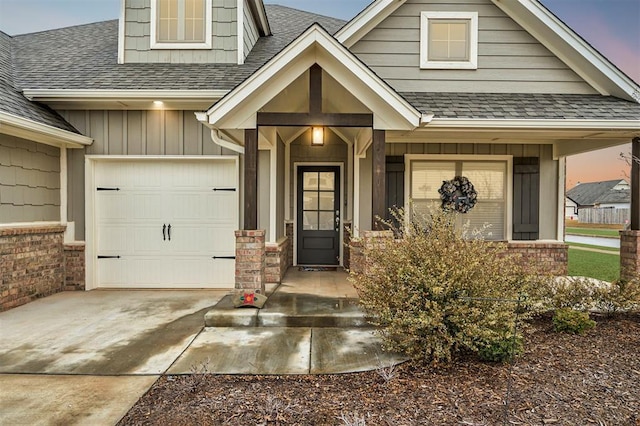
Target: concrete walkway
87,357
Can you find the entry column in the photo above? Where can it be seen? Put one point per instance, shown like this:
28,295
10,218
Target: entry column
378,184
630,239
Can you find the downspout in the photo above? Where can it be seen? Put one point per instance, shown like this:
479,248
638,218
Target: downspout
218,139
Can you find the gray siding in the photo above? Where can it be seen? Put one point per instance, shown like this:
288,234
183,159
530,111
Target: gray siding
509,59
137,42
548,175
250,30
29,181
160,132
264,192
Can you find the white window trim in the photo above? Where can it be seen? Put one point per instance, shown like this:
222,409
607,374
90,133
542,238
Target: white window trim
207,44
508,232
472,63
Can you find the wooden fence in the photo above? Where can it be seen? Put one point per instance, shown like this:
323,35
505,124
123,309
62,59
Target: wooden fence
607,216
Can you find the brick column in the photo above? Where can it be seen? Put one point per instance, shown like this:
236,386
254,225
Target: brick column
250,260
629,254
74,266
369,240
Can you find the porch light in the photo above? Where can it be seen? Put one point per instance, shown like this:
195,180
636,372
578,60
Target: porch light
158,103
317,137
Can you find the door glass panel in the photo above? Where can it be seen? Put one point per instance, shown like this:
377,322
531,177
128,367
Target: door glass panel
310,221
326,181
326,221
326,200
311,200
310,180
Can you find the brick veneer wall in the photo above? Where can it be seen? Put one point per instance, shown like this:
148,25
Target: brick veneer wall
250,260
550,258
31,264
629,254
289,233
277,260
74,266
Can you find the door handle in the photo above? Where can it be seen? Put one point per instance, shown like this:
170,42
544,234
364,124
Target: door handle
169,231
164,230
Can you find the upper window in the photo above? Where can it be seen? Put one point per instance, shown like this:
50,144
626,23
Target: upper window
181,24
449,40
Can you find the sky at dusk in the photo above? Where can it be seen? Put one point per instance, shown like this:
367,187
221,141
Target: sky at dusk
610,26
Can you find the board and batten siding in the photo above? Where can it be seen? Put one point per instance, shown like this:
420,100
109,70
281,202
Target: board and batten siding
29,181
510,60
548,174
137,33
115,132
251,34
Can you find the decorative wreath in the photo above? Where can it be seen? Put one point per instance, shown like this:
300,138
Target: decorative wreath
458,195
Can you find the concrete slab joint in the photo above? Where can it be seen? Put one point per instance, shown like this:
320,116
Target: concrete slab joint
251,259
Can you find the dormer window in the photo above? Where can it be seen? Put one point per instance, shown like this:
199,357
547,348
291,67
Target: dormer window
449,40
181,24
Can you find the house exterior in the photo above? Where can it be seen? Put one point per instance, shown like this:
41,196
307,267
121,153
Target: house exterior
219,142
612,195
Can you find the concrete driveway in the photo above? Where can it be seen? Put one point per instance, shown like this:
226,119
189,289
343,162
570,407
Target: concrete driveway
86,357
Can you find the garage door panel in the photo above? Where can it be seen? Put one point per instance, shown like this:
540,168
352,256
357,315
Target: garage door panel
156,193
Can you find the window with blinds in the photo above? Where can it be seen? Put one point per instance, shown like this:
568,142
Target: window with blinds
489,179
181,24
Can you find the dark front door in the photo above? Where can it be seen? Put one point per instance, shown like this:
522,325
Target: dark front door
318,215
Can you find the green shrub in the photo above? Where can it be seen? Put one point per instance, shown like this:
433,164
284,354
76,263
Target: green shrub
620,296
421,288
501,349
571,321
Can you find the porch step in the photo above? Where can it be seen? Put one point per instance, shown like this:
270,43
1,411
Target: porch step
290,310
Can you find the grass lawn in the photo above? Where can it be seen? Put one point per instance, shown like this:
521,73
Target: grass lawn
602,266
596,232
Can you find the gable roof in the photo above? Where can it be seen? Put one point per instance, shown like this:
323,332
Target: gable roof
19,116
543,25
315,46
592,193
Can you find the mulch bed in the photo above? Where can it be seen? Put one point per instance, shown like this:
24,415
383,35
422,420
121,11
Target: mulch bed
560,379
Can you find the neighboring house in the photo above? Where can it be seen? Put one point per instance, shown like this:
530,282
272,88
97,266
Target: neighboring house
289,127
614,194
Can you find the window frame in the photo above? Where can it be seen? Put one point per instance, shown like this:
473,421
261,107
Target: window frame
177,45
508,159
471,63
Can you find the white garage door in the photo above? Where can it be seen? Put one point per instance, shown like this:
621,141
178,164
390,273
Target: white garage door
166,224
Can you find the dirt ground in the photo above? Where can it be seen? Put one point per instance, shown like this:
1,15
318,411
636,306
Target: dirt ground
560,379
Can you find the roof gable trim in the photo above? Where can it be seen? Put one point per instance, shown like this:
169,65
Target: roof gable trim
28,129
366,20
331,52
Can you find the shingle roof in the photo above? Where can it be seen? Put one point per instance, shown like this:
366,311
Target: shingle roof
523,106
13,102
591,193
616,197
85,57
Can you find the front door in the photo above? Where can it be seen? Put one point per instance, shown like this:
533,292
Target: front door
318,215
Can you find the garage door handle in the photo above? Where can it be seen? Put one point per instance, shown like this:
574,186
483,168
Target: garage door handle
164,232
223,257
225,189
108,257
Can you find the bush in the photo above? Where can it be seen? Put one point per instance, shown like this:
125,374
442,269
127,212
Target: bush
420,289
568,292
501,349
571,321
620,296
